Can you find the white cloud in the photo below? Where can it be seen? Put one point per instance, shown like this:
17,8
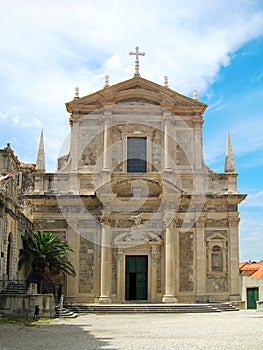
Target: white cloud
189,41
50,48
254,200
35,123
3,115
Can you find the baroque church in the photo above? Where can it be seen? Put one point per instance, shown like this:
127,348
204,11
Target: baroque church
147,219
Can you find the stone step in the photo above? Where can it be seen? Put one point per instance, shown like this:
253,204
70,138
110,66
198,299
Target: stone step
225,307
15,288
146,308
64,313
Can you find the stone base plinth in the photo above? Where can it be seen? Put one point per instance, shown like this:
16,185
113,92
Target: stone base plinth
104,300
169,299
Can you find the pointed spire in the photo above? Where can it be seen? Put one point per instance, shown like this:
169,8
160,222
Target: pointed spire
40,163
229,161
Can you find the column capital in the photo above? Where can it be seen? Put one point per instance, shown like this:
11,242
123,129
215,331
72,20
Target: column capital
106,217
168,217
107,114
198,121
119,255
200,223
233,221
167,116
155,252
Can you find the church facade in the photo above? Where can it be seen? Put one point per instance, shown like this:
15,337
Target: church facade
146,218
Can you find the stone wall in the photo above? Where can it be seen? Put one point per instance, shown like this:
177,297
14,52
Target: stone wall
23,305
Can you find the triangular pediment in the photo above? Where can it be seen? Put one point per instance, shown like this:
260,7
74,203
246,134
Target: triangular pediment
217,237
136,89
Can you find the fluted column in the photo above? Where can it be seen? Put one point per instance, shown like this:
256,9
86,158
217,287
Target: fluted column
169,246
107,141
106,259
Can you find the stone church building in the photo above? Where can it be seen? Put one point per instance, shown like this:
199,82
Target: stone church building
146,218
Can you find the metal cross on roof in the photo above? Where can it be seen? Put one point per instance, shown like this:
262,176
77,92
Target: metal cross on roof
137,54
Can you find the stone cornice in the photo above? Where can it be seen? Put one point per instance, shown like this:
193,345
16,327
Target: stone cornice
140,88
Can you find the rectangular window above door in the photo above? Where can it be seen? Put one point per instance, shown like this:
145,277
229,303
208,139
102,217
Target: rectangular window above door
136,155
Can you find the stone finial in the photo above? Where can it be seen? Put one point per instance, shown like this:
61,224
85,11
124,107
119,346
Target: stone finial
166,81
76,93
107,80
8,147
40,163
195,94
137,54
229,161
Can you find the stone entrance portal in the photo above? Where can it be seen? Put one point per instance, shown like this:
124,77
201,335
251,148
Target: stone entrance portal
136,277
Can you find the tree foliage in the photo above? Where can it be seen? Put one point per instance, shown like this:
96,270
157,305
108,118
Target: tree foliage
46,255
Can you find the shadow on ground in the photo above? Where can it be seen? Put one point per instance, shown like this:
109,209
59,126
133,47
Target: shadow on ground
50,336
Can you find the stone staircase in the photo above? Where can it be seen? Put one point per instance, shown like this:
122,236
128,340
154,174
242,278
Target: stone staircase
149,308
223,307
15,288
65,313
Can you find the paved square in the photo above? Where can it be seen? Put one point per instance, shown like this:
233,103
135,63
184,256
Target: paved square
230,330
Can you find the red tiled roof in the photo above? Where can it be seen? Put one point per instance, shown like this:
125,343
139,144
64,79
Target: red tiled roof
251,269
247,273
241,264
258,273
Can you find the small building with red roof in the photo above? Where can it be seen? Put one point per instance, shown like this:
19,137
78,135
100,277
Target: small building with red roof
251,277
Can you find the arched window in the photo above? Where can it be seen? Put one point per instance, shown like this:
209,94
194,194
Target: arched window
217,259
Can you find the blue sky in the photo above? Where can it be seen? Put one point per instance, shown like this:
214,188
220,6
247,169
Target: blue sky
49,47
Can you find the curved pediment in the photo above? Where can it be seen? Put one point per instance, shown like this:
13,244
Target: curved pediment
125,185
136,236
136,89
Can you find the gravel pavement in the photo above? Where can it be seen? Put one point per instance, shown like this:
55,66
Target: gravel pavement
227,330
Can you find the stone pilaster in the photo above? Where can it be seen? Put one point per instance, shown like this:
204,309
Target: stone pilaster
120,275
106,259
107,141
200,259
169,247
154,257
74,145
72,283
233,223
167,128
198,147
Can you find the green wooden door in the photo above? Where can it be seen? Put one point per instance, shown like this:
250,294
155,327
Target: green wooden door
136,278
252,298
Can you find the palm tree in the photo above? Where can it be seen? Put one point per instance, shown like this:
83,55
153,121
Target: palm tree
46,255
